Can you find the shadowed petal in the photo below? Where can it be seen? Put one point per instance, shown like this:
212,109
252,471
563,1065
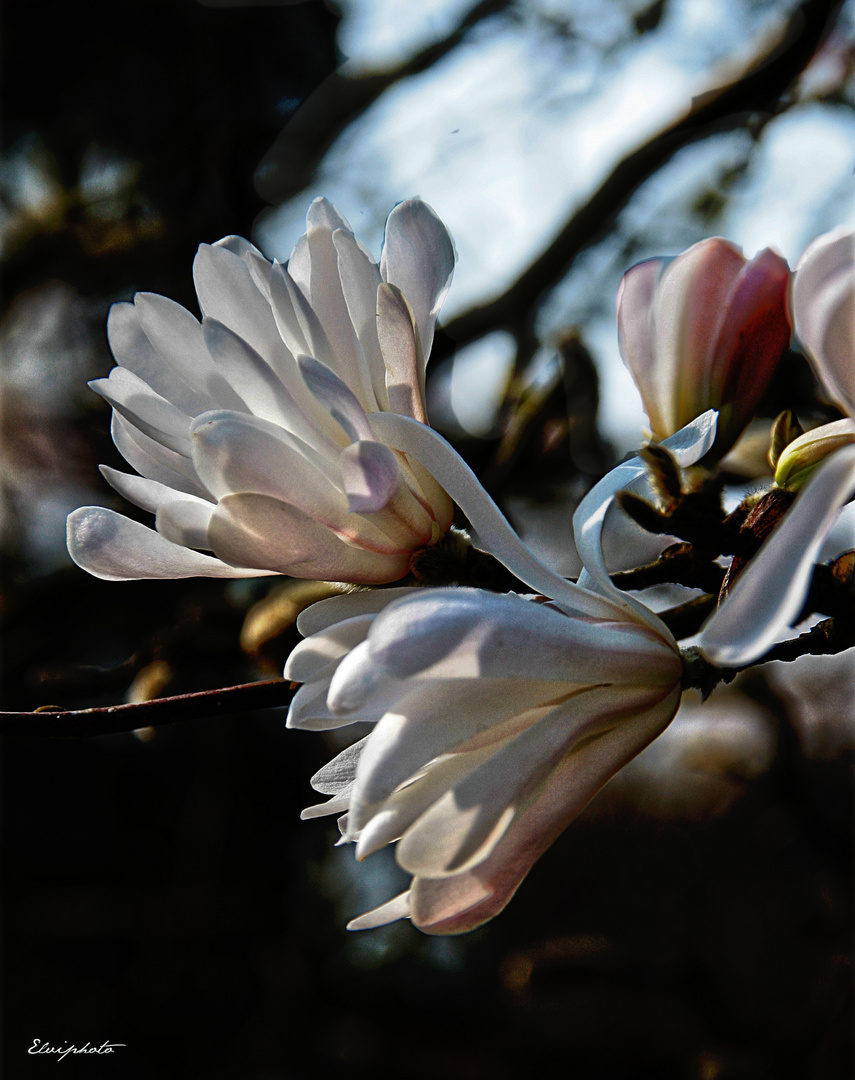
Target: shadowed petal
418,257
113,547
770,591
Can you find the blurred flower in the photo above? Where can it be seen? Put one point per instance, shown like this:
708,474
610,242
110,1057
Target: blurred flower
497,718
704,330
251,431
824,312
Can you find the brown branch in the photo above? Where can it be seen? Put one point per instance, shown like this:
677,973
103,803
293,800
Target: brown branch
114,719
289,165
758,89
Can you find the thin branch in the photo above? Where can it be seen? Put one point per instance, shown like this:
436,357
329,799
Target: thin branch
54,722
758,89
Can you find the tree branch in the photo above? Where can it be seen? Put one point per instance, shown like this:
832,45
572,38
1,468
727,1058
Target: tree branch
54,722
759,88
289,165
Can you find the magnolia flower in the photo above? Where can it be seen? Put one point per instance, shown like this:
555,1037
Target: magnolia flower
704,330
250,430
496,717
824,312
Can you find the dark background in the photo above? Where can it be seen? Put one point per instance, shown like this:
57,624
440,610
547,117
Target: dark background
163,893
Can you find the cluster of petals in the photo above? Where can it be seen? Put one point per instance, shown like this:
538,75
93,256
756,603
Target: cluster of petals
250,429
496,717
824,313
704,330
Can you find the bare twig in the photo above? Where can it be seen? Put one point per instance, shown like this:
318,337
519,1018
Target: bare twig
114,719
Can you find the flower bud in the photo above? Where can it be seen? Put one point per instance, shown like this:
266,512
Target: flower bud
704,330
802,455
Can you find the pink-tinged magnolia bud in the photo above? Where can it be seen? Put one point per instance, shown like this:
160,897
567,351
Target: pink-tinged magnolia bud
824,311
704,330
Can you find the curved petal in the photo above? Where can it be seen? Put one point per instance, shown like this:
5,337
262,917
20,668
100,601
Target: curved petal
336,397
153,460
824,280
147,494
142,407
463,633
753,332
464,826
771,590
494,531
391,911
134,351
336,608
456,904
257,530
370,475
688,446
690,298
637,341
418,257
360,277
114,548
403,359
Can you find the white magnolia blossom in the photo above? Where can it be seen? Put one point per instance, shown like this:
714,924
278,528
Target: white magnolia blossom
497,717
250,429
823,300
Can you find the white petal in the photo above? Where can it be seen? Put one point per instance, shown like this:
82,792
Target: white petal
327,300
494,531
113,547
464,826
471,633
337,608
637,339
402,356
418,257
360,277
688,446
235,452
177,337
370,475
153,460
391,911
147,494
825,279
257,530
336,397
339,773
185,521
314,654
255,380
770,591
139,404
456,904
134,351
229,294
332,806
